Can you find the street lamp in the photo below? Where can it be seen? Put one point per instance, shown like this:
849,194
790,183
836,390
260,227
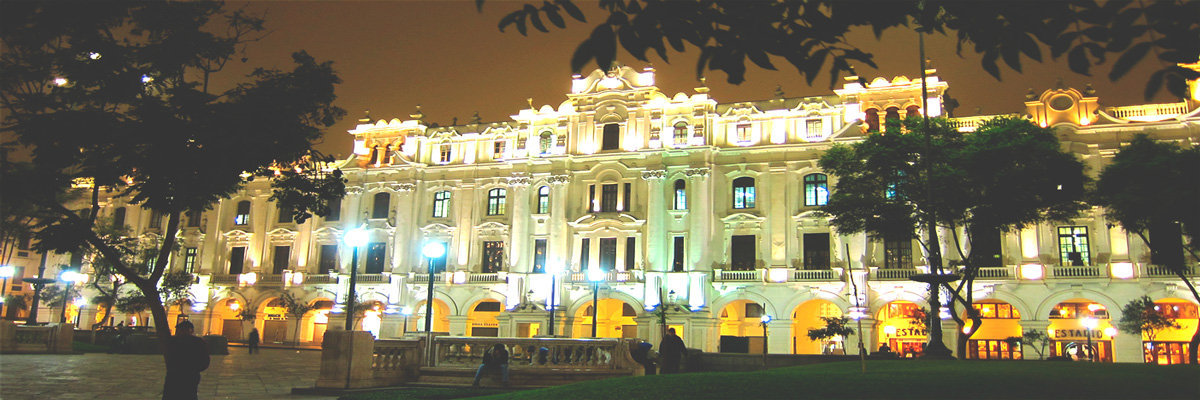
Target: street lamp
766,319
406,312
355,238
553,269
71,278
595,275
431,251
1089,324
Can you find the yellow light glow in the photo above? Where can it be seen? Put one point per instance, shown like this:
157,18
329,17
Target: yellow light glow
1031,271
1122,270
610,83
889,330
60,81
1093,307
1110,332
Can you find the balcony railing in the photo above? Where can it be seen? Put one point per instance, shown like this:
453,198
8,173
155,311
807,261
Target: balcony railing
224,279
424,278
320,279
896,273
372,278
1160,271
1076,272
815,275
738,276
1148,111
610,276
994,273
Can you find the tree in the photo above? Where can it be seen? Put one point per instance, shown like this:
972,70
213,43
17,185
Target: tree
247,315
1006,175
838,327
1151,190
176,289
135,303
55,296
1037,340
811,34
117,95
1142,316
14,304
295,309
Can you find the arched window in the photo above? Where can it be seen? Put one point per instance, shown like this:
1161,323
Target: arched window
495,202
119,217
681,133
743,192
243,213
893,113
871,118
912,111
612,137
444,153
680,195
374,155
381,206
441,204
816,190
543,200
545,140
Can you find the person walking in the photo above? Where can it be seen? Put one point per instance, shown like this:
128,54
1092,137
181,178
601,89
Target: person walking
495,358
671,351
253,341
187,356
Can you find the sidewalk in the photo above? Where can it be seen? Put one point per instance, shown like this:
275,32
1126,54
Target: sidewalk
271,374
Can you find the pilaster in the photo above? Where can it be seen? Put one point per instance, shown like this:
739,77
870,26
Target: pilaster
655,255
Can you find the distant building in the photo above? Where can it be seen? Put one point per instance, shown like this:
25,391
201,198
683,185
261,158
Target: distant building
684,204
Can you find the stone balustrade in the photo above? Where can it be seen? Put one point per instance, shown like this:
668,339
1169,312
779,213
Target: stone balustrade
547,353
43,339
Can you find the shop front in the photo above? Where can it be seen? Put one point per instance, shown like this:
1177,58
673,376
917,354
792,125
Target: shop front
1000,322
1081,330
1169,346
274,316
903,329
741,328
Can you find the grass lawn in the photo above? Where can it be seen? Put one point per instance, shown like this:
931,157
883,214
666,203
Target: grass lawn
900,379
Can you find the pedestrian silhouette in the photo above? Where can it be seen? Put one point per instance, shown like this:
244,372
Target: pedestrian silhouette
252,343
187,356
671,351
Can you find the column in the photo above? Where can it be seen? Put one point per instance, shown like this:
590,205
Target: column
868,333
519,216
655,255
703,334
458,325
559,241
467,204
1127,348
701,240
775,191
353,219
1030,350
403,225
950,334
779,336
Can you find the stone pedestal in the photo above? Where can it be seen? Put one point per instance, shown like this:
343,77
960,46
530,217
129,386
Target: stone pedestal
346,360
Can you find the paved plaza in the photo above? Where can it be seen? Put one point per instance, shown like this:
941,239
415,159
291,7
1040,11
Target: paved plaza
269,375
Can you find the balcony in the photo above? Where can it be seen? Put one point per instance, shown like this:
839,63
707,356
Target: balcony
1148,112
737,276
634,276
1162,271
320,279
224,279
373,278
816,275
895,274
1077,272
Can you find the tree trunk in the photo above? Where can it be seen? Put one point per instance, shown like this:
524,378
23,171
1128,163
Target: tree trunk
162,326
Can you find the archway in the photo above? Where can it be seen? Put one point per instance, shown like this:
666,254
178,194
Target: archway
1000,321
371,319
227,319
481,319
1080,329
741,327
441,317
616,320
902,328
1170,345
316,321
808,316
274,321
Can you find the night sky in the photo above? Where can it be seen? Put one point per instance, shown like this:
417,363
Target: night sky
453,61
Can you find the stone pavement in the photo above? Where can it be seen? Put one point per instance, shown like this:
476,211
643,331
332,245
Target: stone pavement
271,374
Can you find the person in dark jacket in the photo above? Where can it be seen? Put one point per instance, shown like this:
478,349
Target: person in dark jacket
252,343
187,356
496,358
671,351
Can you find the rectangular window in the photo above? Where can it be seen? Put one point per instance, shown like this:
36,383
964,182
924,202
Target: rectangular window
193,219
611,139
237,259
376,253
897,253
816,251
585,254
328,260
155,219
189,260
441,204
243,213
543,200
283,255
630,253
743,133
742,253
1073,246
993,350
498,149
628,199
997,311
608,198
608,253
444,154
335,210
592,206
677,260
493,256
539,256
285,215
814,129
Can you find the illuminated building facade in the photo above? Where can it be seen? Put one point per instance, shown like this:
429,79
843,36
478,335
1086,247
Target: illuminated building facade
699,212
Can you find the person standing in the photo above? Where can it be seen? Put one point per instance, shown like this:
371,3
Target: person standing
187,356
253,341
671,350
496,358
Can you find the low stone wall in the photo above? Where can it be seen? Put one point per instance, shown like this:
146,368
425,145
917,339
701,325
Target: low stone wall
44,339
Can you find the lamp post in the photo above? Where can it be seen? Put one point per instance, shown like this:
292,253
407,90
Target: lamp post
354,238
406,312
595,275
71,278
766,319
431,251
1089,324
6,272
38,283
553,269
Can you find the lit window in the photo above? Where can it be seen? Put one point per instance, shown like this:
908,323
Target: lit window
495,204
608,198
897,253
681,133
1073,246
335,209
381,206
498,149
816,190
680,195
543,200
743,133
444,156
189,260
545,141
815,128
743,192
441,204
243,213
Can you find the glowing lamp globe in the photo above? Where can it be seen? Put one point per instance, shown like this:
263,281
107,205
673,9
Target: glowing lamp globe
356,237
434,250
